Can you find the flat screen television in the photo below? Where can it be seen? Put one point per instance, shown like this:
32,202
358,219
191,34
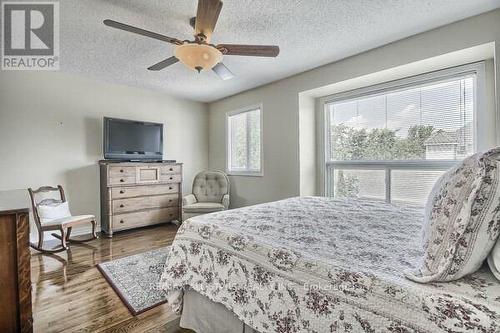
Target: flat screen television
132,140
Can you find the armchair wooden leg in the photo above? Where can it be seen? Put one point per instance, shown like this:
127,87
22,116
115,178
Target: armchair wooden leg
63,238
94,234
94,226
40,239
68,234
69,240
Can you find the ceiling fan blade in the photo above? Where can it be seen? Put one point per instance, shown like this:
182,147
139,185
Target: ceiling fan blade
142,32
249,50
222,71
163,64
206,17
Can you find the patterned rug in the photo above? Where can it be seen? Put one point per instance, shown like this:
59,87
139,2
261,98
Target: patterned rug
135,279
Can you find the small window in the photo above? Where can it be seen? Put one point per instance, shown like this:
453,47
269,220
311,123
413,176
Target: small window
244,142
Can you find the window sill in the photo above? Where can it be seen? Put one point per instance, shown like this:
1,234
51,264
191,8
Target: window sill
245,173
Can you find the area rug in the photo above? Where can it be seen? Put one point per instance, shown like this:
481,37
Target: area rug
135,279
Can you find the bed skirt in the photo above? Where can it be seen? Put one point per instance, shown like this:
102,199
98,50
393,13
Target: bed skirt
202,315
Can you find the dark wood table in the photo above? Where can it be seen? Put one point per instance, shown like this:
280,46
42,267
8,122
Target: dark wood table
15,280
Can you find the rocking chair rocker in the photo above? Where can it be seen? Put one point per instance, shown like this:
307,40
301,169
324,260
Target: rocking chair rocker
63,224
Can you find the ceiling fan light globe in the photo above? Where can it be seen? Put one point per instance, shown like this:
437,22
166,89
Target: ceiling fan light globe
196,56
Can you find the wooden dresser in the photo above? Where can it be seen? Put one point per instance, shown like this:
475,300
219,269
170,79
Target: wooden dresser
137,194
15,277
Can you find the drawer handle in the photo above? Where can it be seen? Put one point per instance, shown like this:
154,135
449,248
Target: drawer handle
122,180
121,170
170,188
122,205
122,191
169,200
121,221
171,178
171,169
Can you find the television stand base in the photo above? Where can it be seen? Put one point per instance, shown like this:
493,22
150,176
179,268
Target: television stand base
139,194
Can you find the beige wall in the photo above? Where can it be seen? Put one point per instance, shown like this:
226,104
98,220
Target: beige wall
51,132
282,163
50,122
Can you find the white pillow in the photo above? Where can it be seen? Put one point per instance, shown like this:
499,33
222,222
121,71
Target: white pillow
53,211
494,260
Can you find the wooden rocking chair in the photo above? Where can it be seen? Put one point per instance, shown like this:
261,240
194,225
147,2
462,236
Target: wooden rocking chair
64,225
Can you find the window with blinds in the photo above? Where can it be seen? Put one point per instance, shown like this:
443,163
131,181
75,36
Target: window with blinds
392,142
244,144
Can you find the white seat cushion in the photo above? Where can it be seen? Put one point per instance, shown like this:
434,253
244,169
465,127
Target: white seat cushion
69,219
203,207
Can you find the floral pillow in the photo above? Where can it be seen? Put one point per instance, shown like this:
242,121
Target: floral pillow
494,260
462,219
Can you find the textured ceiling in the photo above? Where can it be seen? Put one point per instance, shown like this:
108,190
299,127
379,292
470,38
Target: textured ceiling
310,33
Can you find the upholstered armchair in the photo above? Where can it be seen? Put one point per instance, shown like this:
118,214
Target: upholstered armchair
210,194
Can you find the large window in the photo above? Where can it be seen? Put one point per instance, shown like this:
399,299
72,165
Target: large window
392,142
244,142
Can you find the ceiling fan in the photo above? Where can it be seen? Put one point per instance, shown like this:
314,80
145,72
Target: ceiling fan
199,54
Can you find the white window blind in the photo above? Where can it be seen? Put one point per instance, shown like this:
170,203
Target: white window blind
244,142
392,143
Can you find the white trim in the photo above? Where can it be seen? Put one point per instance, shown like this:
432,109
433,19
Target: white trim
252,173
413,81
320,150
395,165
480,102
325,166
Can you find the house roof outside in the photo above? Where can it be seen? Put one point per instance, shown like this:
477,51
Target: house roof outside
442,137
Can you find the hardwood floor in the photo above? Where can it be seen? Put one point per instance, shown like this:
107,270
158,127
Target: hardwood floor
70,294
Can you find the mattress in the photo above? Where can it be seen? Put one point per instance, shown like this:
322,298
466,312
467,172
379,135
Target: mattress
315,264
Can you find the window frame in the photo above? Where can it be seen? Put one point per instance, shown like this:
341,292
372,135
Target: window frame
247,172
328,167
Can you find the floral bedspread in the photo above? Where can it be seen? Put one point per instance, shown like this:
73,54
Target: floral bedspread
314,264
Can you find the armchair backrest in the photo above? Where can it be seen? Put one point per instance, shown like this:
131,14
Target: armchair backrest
45,195
210,186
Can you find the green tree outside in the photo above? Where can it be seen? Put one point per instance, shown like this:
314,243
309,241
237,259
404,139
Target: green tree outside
352,144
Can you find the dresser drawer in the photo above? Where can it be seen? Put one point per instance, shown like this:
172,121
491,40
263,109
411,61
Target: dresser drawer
168,169
121,180
147,174
171,178
137,191
121,171
140,219
133,204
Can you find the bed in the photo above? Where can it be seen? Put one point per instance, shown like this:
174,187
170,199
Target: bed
315,264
